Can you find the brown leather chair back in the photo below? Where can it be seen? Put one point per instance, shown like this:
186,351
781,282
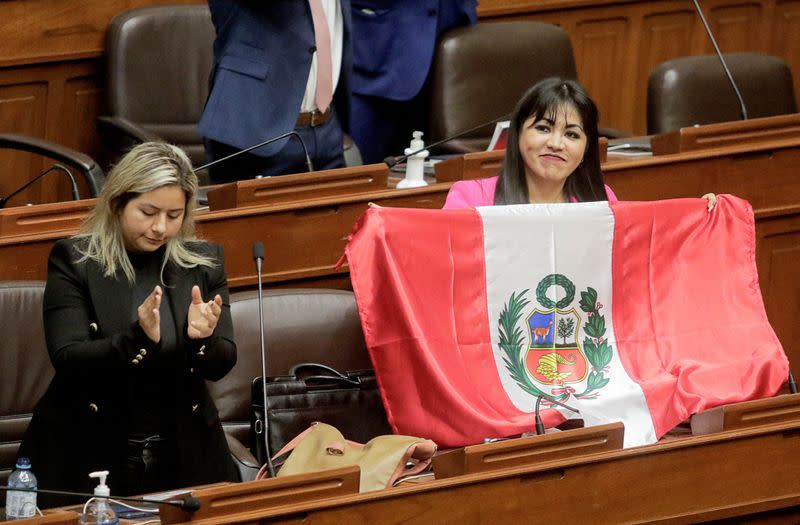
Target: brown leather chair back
300,325
695,90
26,371
158,62
479,72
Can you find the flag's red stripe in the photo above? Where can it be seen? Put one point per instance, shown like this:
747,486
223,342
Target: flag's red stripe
691,351
436,371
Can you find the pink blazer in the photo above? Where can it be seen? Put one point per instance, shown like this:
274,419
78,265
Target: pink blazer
480,192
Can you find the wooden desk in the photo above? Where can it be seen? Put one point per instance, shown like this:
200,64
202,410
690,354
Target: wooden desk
728,475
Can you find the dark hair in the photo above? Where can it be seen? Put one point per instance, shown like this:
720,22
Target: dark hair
543,99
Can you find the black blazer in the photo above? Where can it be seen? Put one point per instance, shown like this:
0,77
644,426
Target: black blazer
81,422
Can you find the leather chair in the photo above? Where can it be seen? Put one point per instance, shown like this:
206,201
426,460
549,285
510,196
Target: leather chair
301,325
695,90
90,170
479,72
157,71
26,370
158,62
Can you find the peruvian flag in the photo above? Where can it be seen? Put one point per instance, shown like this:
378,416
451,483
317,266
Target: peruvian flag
640,312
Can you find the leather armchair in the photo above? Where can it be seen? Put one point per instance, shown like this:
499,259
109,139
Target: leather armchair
479,72
158,62
300,325
695,90
26,371
89,169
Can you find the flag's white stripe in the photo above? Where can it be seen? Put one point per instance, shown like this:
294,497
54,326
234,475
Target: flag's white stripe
522,245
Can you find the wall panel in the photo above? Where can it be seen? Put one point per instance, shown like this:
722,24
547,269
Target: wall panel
778,251
57,46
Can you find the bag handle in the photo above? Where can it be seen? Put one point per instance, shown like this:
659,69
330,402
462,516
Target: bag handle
333,374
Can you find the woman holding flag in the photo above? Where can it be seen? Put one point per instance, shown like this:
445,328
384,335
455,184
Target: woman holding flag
552,154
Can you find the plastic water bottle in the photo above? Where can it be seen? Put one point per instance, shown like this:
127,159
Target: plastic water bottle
21,504
99,511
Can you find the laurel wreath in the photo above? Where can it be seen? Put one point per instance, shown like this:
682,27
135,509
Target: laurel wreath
595,346
555,279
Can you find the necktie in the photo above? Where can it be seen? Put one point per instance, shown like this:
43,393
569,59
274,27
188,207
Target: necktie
322,35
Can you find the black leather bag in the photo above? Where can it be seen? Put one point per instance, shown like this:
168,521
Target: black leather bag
349,401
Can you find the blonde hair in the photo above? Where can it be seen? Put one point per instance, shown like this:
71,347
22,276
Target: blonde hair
145,168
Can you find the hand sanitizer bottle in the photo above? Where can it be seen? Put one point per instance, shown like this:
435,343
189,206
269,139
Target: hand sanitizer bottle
98,511
415,163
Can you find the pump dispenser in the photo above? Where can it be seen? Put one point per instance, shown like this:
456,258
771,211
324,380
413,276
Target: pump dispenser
415,163
98,511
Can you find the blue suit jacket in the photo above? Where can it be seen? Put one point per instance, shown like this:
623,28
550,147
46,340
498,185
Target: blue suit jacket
262,56
394,42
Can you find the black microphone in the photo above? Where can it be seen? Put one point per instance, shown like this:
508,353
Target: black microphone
792,383
55,167
538,416
187,503
393,161
742,107
309,164
258,256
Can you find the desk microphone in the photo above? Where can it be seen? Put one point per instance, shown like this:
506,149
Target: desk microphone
258,257
393,161
309,164
187,503
538,416
55,167
742,107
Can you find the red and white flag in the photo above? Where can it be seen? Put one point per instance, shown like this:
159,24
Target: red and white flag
640,312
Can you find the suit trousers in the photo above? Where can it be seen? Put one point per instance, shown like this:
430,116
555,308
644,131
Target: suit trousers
324,144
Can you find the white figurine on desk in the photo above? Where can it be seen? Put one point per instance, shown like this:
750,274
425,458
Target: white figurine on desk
415,163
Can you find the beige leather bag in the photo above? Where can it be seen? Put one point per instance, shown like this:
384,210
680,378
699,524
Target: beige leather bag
383,460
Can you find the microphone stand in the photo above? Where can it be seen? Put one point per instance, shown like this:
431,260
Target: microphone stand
258,255
537,414
742,107
58,167
309,164
393,161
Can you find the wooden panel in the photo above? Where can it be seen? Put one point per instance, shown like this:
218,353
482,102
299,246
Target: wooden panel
596,70
785,40
22,109
37,31
737,27
58,102
778,250
664,36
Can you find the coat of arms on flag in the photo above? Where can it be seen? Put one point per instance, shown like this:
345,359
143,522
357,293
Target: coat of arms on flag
632,311
564,350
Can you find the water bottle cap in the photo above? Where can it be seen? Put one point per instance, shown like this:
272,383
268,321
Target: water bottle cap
23,463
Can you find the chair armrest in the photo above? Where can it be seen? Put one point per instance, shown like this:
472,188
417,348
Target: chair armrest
92,172
246,463
122,129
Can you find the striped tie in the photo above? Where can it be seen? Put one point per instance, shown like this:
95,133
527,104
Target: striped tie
322,35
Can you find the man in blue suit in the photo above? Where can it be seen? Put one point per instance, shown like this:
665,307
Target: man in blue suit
263,85
393,47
